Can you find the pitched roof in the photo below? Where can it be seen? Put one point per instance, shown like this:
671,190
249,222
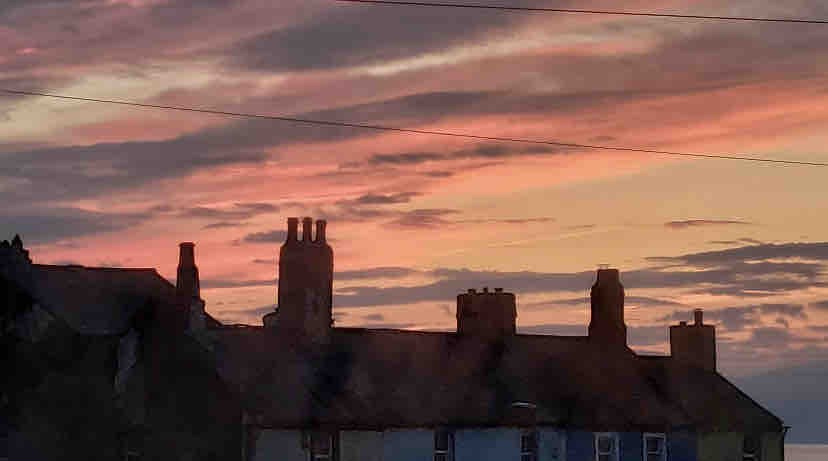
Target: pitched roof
391,378
95,300
711,401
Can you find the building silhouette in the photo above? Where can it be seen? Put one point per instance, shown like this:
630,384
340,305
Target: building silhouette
154,376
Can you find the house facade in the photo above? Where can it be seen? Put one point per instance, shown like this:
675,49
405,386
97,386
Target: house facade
186,386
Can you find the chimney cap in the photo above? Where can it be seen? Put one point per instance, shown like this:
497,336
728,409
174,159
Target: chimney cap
498,290
683,323
187,244
485,289
471,291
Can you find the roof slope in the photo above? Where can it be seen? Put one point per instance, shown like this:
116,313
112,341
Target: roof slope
711,401
97,300
392,378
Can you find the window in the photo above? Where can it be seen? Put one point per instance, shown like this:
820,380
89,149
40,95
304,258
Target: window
320,445
529,445
606,446
655,447
750,448
131,447
443,445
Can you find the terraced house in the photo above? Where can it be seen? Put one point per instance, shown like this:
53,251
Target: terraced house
165,380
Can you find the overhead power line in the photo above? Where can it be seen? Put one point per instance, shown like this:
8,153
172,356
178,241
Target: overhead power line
531,9
452,134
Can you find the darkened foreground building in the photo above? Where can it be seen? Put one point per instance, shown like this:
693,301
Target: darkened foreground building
119,364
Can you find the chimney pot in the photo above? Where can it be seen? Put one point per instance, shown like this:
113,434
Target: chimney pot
498,290
698,317
320,230
293,226
485,289
683,323
307,223
472,291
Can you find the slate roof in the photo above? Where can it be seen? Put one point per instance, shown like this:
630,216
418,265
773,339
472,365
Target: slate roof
375,378
392,378
97,300
708,398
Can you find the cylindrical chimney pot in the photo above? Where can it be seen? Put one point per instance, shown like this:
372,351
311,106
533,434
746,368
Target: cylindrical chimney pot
698,317
307,224
293,226
320,230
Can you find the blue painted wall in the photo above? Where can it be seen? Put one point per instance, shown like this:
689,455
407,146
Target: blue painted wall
580,446
501,444
681,446
551,444
632,446
408,445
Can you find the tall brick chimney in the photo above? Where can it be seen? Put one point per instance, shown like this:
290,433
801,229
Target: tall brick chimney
607,301
187,286
694,344
305,283
487,315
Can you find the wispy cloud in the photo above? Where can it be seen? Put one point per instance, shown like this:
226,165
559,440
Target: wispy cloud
702,223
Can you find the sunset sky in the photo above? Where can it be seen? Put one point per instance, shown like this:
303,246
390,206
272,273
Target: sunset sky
416,219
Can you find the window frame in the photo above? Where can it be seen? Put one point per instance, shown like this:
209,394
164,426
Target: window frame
615,453
448,452
654,435
756,455
310,437
530,453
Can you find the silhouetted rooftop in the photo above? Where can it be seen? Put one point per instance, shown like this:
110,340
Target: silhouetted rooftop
708,398
99,300
393,378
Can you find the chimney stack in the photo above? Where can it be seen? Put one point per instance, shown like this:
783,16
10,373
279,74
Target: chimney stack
305,294
187,287
694,344
486,315
607,308
187,284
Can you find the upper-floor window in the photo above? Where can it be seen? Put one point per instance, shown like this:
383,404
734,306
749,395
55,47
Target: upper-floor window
443,445
655,447
606,446
529,445
320,446
750,448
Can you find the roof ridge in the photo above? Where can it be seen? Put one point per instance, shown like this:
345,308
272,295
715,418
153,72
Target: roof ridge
96,268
